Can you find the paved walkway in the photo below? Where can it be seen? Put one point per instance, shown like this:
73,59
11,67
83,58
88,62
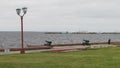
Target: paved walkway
57,49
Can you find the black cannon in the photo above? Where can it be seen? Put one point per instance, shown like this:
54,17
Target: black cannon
85,42
48,43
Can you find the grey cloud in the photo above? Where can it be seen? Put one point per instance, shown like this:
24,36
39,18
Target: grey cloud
62,14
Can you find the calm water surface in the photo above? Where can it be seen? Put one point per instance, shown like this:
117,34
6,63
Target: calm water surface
12,39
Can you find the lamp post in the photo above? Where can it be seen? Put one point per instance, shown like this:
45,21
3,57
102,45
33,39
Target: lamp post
21,14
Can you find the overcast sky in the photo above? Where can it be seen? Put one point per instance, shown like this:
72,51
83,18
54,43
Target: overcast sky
62,15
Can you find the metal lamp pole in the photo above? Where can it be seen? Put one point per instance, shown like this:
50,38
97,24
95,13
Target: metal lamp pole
21,14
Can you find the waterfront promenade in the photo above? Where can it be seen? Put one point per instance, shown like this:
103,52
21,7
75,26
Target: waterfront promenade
60,49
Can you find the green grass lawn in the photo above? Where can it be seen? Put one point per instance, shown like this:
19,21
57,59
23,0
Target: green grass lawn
101,58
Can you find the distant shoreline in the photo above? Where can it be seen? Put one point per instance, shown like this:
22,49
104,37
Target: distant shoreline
47,32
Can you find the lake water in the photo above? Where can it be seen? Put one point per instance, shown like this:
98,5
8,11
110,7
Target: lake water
13,39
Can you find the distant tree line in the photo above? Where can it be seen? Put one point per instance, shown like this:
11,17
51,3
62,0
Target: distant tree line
81,32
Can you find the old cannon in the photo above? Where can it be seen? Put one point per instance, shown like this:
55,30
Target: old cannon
48,43
85,42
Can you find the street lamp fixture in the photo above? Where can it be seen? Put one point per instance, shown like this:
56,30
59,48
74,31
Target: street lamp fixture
21,14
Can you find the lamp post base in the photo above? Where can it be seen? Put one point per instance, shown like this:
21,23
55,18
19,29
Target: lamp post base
22,51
